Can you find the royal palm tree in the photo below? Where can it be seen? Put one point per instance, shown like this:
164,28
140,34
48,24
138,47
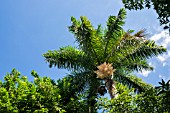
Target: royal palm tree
113,48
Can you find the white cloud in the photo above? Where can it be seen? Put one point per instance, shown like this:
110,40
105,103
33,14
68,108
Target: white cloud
162,38
161,58
164,57
166,42
164,64
145,73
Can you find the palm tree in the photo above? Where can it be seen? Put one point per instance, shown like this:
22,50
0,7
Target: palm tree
164,91
122,52
164,87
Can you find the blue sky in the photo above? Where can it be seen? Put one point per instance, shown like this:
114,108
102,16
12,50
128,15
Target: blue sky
29,28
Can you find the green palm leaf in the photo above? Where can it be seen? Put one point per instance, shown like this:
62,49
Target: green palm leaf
147,50
68,58
133,51
131,81
88,38
114,31
139,66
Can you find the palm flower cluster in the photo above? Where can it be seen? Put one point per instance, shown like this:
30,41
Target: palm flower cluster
105,70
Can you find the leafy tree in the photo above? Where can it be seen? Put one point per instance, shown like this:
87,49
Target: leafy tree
43,95
123,103
164,91
161,7
112,48
71,99
129,102
149,102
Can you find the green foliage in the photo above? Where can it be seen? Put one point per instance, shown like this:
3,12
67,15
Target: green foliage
149,102
126,51
67,57
164,91
130,102
121,104
160,6
132,81
71,99
88,38
79,91
43,95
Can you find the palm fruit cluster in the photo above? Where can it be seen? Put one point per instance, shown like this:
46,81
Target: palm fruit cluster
104,70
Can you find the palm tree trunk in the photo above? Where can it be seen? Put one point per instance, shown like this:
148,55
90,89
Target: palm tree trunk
110,84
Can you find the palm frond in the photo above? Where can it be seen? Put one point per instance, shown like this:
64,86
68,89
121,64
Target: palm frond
127,45
138,66
115,24
86,83
147,50
88,38
114,31
141,33
133,50
80,80
134,65
132,82
68,58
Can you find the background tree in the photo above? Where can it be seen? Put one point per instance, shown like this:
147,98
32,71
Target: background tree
149,102
43,95
164,91
161,7
119,49
18,95
123,103
128,101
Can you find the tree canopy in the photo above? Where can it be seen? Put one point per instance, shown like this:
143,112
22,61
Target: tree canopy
162,8
44,95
